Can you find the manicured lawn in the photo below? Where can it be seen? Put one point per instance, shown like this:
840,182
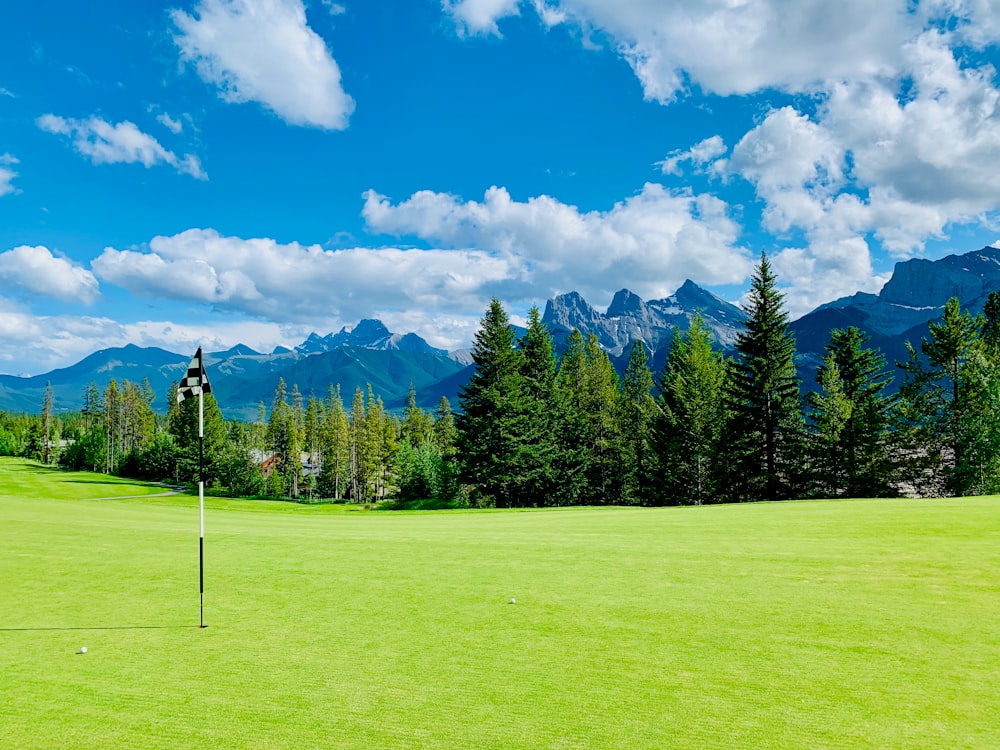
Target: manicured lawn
868,624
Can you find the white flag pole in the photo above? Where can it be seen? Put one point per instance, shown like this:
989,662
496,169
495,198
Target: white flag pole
201,491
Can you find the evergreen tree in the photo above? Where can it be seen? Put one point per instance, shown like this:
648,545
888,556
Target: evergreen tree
691,419
182,425
47,405
763,399
536,416
417,426
358,458
943,402
853,446
573,456
636,412
285,442
604,444
990,332
489,420
335,448
444,427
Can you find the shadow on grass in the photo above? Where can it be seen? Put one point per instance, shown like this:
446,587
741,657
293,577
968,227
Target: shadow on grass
102,627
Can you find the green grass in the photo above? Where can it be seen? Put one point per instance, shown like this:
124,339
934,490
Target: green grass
868,624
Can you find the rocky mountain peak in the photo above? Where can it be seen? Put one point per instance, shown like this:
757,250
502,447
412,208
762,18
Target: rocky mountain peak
626,303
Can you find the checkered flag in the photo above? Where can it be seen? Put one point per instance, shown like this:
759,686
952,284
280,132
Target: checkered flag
196,380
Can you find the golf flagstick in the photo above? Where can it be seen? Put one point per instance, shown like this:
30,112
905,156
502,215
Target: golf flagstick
201,503
194,382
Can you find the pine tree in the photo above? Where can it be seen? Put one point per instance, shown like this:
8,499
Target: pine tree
182,425
763,398
573,456
358,459
689,426
488,423
417,426
943,402
535,416
636,413
47,407
444,427
853,446
604,444
335,448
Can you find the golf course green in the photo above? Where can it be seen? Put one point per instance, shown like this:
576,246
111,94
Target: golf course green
837,624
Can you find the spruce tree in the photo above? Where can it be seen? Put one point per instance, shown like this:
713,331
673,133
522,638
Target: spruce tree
763,398
488,425
690,421
573,454
852,444
604,438
636,414
536,416
943,401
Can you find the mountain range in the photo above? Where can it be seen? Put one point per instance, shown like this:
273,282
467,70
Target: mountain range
368,353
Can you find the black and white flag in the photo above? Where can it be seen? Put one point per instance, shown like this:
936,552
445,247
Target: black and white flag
196,380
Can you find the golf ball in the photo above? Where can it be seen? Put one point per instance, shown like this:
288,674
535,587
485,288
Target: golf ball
83,649
513,600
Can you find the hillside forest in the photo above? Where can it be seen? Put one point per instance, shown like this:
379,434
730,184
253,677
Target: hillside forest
535,429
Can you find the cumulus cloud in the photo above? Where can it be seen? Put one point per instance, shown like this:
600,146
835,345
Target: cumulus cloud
264,51
898,159
123,142
7,174
700,156
294,283
35,271
650,242
721,46
523,252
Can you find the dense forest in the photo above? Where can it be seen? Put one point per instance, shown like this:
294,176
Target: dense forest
533,429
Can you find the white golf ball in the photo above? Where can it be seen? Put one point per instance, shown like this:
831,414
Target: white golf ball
83,649
513,600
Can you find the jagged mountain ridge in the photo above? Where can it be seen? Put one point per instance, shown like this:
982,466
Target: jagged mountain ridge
367,334
630,318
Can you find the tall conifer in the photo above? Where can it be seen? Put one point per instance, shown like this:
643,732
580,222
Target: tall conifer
488,423
763,397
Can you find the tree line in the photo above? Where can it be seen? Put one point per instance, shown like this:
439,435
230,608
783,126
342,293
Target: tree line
534,429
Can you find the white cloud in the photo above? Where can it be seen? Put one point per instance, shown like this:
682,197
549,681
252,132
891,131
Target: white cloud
299,284
35,271
699,156
7,174
649,243
174,126
479,16
523,252
725,47
123,142
264,51
39,343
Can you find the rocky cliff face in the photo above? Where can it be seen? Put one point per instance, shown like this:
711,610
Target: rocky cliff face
917,293
630,318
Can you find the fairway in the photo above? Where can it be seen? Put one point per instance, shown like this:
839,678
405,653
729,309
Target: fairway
867,624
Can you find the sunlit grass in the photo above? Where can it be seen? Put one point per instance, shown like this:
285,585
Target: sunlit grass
817,624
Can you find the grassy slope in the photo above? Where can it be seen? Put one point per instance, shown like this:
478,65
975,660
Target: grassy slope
836,624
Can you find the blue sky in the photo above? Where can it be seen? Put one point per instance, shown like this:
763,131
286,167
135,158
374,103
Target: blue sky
224,171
